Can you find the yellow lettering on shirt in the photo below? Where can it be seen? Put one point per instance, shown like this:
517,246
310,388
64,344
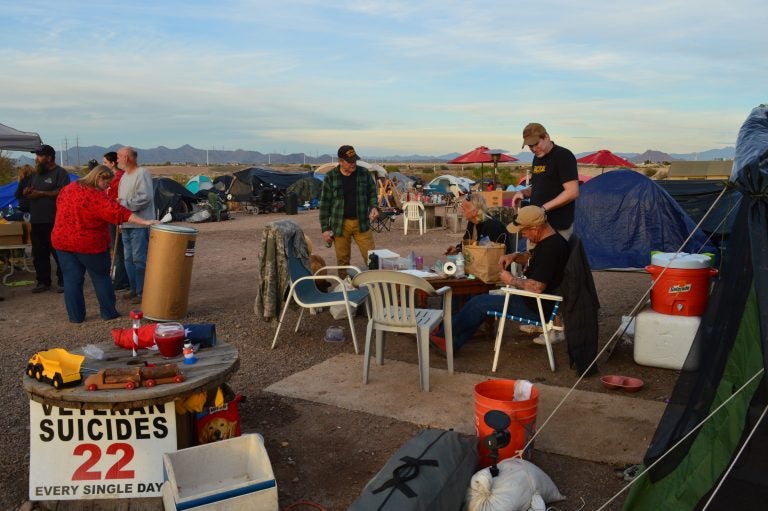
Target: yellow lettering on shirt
538,169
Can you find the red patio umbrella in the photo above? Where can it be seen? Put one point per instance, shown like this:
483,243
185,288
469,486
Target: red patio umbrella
605,158
480,155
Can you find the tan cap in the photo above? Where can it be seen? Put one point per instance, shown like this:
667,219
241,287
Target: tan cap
529,216
533,133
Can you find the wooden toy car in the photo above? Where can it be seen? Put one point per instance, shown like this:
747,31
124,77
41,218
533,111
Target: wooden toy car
56,366
130,378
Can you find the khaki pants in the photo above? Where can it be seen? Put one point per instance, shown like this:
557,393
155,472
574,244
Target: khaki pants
364,240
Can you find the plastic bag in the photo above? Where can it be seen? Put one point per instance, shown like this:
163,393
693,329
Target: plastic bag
340,311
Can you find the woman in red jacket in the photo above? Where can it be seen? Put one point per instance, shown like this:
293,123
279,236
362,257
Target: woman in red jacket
81,239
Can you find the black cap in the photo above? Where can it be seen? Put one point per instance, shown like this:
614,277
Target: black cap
347,152
46,150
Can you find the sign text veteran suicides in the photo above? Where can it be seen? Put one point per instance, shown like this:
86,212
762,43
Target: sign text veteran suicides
98,454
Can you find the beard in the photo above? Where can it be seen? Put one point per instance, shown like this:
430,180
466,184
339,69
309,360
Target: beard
40,167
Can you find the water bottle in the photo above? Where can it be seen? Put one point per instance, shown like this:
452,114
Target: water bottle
329,244
459,265
373,261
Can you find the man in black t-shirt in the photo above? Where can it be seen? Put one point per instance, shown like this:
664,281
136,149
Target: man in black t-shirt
41,192
554,179
544,266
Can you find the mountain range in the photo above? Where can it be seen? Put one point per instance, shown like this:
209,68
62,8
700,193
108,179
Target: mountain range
186,154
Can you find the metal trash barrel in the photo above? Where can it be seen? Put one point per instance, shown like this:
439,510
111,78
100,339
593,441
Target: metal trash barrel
291,203
169,272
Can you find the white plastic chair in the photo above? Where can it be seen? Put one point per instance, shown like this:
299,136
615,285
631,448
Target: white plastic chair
413,211
392,296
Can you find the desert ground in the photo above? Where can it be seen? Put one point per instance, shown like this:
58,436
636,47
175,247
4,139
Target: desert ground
319,453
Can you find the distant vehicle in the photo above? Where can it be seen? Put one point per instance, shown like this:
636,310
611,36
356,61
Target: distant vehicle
130,378
56,366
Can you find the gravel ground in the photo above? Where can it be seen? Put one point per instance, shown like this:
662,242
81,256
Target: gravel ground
319,453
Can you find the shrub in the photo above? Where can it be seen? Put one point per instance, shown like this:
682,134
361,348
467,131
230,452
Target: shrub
7,169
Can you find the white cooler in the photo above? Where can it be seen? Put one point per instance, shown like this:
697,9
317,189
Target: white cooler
662,340
229,475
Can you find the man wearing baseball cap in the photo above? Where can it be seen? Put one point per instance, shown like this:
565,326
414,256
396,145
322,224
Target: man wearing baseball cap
42,191
554,179
348,206
543,272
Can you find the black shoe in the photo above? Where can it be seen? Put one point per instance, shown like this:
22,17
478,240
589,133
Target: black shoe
41,288
130,295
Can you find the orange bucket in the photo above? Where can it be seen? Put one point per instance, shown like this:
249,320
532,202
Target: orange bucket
680,292
498,395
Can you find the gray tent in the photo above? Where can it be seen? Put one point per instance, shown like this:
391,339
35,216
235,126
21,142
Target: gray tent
15,140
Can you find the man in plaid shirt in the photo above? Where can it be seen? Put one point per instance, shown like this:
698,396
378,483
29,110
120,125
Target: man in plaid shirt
348,205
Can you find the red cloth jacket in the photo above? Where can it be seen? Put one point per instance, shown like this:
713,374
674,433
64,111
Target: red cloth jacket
83,215
115,184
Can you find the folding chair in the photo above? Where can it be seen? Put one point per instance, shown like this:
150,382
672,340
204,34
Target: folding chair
385,219
546,325
305,293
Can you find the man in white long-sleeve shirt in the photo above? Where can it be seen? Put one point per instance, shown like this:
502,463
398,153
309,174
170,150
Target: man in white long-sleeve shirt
135,193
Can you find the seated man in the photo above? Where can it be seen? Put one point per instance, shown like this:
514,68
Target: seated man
543,271
480,223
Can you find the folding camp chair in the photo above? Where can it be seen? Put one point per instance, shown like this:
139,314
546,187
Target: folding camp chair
385,219
547,325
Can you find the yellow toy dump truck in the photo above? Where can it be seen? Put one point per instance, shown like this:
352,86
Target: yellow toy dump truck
56,366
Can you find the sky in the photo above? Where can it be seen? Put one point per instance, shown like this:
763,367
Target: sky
389,77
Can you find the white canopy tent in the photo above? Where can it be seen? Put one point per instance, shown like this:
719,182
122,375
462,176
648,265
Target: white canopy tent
372,167
454,184
15,140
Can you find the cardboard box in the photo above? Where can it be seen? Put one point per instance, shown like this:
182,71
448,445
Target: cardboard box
11,234
229,475
498,198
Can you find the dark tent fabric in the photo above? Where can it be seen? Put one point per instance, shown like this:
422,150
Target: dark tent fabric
223,183
724,374
696,196
255,177
622,216
15,140
7,192
170,194
306,189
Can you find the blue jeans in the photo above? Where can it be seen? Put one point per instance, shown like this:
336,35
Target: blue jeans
135,244
472,315
74,265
